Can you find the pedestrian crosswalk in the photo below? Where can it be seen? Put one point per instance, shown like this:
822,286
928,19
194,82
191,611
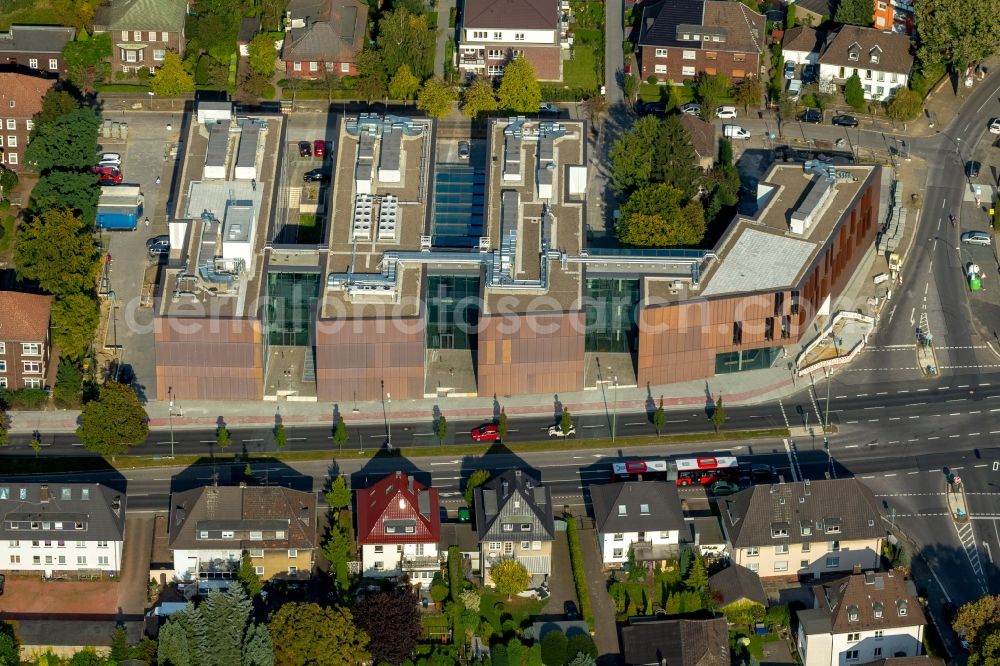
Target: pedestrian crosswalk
968,538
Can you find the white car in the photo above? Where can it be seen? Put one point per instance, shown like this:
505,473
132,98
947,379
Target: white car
114,158
725,112
546,107
557,431
691,109
995,126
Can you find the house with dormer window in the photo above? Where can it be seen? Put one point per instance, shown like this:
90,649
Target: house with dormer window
882,60
142,31
644,516
493,33
861,618
399,527
61,528
514,519
808,528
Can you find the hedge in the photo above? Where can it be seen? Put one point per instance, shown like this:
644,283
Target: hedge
455,574
579,575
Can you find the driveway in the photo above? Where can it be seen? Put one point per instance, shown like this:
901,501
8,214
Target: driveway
561,586
614,57
605,627
135,563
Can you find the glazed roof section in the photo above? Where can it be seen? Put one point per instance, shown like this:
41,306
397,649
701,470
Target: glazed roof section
197,285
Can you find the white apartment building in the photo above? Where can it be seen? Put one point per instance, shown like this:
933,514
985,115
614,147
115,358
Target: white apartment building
493,33
882,60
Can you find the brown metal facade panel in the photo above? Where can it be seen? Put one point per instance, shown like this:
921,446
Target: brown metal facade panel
531,353
208,359
361,359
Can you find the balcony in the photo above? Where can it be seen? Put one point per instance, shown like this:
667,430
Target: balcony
647,551
218,568
471,60
421,562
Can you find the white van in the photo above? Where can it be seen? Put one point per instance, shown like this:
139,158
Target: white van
794,88
735,132
725,112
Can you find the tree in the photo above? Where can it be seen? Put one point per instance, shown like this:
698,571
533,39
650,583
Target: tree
502,424
36,443
581,644
218,632
479,98
405,38
710,90
120,649
441,429
477,478
905,105
439,590
370,88
247,577
74,190
660,216
581,659
697,577
471,600
519,90
554,647
55,250
674,156
744,612
978,617
337,549
331,82
340,435
86,60
392,621
630,86
262,55
633,155
8,181
956,35
75,318
4,429
498,655
113,422
790,17
436,98
55,104
311,634
510,577
10,646
222,438
280,436
566,421
718,414
854,12
404,84
171,79
659,418
747,92
854,94
66,142
339,495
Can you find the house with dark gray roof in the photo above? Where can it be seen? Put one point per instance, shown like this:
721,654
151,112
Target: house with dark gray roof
514,519
807,528
736,584
61,528
142,31
644,516
863,617
210,528
882,60
323,36
684,39
36,49
680,642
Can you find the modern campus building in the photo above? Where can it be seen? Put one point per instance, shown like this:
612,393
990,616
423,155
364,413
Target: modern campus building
434,275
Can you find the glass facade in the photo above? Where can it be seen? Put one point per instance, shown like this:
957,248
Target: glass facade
459,199
452,311
611,315
289,314
746,359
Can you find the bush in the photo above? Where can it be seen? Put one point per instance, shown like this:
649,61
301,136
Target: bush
581,643
24,399
69,384
651,80
579,575
925,76
455,575
778,616
554,647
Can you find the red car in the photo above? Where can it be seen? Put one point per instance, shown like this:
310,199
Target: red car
319,148
113,178
106,171
485,433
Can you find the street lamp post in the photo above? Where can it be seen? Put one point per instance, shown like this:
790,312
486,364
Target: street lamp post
614,417
826,420
388,419
170,394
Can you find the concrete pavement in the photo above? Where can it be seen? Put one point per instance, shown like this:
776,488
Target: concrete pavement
614,56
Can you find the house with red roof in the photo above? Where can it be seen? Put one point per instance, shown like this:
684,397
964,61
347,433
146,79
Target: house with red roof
24,339
399,526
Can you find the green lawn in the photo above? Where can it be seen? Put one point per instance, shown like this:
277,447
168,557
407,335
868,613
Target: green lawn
308,229
653,93
37,12
495,609
579,71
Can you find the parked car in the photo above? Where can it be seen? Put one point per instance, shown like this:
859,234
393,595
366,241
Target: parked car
110,164
844,120
105,171
319,175
809,73
464,149
651,108
794,89
735,132
487,432
691,109
158,245
557,431
972,169
789,69
546,107
319,148
724,488
814,116
995,126
725,112
113,158
572,613
305,150
977,238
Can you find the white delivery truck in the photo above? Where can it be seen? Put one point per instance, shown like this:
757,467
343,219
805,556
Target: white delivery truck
735,132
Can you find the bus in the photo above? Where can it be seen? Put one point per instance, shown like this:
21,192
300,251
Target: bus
702,470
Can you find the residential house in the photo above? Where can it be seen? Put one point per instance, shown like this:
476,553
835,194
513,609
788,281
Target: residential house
492,33
687,642
807,528
60,528
35,49
861,617
20,99
142,31
210,528
462,536
882,60
323,36
802,45
24,332
736,587
703,140
399,526
894,15
814,12
644,516
702,531
684,39
514,520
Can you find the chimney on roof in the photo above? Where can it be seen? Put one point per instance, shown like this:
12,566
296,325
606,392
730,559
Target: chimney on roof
243,484
410,484
43,493
116,504
826,475
304,515
857,569
781,479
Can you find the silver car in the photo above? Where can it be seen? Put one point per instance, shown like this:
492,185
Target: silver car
463,150
977,238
